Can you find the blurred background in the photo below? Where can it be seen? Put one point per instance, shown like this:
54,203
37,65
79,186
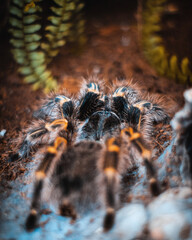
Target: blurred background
50,45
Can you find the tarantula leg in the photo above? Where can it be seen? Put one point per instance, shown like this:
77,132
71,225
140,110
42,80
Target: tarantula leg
90,102
60,106
66,106
34,137
136,139
41,173
111,178
157,114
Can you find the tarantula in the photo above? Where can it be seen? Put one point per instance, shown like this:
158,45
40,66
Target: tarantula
90,142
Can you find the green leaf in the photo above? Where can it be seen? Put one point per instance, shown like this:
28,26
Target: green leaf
32,37
30,19
40,69
32,28
36,55
17,43
18,3
22,61
16,11
32,46
16,33
36,63
26,70
18,53
31,78
34,10
15,22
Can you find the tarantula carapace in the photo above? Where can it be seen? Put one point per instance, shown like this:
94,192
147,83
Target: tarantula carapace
89,143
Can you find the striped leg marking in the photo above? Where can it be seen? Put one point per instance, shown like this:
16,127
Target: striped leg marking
111,174
40,175
136,138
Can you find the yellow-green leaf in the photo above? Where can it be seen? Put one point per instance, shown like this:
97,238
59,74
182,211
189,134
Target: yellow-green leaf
52,29
185,66
45,75
37,85
64,27
50,37
53,53
66,16
45,46
70,6
61,43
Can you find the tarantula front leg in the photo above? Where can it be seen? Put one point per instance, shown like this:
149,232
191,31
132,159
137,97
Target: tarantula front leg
136,139
90,102
58,107
43,133
154,112
52,155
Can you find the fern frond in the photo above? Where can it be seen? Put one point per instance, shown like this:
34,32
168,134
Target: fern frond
153,46
26,42
62,25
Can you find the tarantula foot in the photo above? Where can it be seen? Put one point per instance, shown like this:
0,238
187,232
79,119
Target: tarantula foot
31,222
109,220
13,157
67,210
154,187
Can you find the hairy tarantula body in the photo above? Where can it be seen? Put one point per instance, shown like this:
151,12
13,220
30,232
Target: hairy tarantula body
89,143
